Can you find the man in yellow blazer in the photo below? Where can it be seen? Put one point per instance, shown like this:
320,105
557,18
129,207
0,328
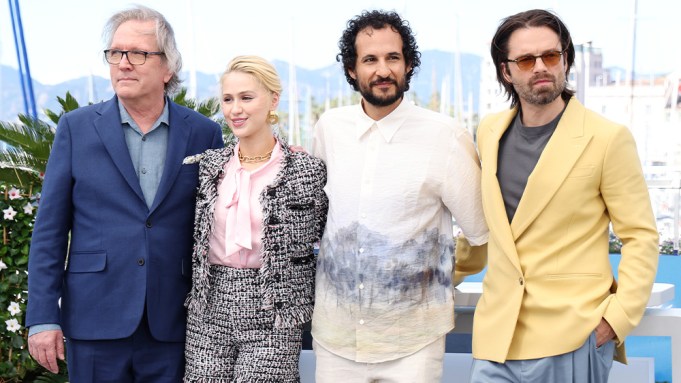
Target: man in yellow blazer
555,175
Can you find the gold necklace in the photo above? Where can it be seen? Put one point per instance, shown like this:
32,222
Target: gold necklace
255,159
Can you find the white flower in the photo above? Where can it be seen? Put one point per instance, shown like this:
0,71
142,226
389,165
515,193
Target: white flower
192,159
13,325
14,193
3,266
9,213
28,208
14,308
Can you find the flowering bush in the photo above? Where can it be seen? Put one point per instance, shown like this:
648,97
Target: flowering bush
667,247
615,245
18,208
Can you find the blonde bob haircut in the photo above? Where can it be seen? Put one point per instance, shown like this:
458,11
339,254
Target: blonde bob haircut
259,68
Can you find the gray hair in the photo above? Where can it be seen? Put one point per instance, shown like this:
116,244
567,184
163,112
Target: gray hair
165,38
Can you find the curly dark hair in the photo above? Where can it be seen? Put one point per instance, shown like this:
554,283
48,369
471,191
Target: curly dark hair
377,20
532,18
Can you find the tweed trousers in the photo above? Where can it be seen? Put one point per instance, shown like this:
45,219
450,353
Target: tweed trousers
234,339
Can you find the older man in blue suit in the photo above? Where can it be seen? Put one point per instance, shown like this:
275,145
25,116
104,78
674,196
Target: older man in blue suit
119,199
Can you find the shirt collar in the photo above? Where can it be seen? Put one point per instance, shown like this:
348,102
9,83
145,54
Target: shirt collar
387,126
126,119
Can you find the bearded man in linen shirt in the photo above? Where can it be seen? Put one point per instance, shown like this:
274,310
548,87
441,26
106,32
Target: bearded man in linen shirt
397,174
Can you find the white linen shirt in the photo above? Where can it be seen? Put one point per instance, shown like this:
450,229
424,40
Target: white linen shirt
384,272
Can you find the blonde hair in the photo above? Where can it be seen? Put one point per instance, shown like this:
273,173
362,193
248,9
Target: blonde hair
259,68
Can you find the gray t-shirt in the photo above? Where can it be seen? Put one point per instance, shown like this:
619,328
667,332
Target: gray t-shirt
519,151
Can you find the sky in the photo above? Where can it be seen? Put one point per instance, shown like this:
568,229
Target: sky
64,42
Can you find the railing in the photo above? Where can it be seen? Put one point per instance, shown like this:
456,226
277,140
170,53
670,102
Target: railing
665,195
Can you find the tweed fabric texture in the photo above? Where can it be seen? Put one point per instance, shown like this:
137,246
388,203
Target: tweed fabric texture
294,214
234,339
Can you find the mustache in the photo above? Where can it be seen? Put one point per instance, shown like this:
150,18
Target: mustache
383,80
542,76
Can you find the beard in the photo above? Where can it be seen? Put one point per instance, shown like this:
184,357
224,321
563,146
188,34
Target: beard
543,95
383,99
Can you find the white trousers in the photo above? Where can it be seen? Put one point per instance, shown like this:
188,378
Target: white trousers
423,366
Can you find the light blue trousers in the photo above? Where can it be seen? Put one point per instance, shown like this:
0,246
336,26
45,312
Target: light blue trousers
586,364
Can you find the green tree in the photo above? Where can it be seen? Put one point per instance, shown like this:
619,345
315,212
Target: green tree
209,108
27,146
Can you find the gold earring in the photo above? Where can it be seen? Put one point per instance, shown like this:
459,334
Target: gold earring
273,118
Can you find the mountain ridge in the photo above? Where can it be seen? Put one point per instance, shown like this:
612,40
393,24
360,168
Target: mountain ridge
317,84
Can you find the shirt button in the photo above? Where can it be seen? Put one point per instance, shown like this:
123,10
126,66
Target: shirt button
361,286
148,224
144,170
520,280
361,321
140,261
361,250
144,138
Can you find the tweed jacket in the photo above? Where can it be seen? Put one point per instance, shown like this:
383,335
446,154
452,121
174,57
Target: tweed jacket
294,214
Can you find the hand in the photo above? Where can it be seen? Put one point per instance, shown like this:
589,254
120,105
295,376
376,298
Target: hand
46,347
604,333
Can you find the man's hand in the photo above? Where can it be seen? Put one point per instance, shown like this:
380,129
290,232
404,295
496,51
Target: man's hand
46,347
604,333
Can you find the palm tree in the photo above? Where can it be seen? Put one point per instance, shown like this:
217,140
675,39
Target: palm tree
28,144
209,108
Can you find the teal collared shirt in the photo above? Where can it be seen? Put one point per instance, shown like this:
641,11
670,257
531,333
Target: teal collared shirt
147,151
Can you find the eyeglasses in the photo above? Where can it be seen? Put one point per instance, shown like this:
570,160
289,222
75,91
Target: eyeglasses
114,56
527,62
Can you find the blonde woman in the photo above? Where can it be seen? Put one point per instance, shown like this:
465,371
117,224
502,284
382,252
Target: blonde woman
260,208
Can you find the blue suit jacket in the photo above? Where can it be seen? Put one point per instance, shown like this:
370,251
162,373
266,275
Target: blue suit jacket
122,255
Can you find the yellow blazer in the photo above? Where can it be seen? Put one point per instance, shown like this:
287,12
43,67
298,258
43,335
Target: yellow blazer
549,279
